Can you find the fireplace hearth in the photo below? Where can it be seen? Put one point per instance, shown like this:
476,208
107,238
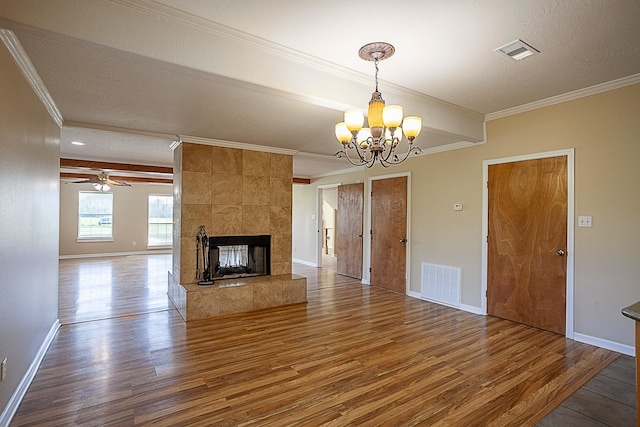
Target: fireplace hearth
239,256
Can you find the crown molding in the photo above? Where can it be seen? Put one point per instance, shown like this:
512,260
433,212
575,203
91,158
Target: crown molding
30,74
230,144
569,96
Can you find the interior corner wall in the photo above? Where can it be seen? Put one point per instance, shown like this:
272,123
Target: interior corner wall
29,179
130,219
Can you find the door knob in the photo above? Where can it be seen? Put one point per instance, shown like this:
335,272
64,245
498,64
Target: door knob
403,240
360,235
560,252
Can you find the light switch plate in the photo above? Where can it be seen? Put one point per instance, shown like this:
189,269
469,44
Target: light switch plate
584,221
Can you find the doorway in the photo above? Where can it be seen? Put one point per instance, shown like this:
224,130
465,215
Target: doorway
389,231
528,245
349,230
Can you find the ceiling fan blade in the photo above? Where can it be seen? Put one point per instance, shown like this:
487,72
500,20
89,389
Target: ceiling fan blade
81,181
117,183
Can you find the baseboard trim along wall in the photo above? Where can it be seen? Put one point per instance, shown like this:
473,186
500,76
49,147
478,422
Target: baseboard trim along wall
587,339
148,252
21,390
609,345
303,262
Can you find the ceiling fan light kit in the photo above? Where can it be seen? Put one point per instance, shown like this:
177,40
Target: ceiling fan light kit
386,125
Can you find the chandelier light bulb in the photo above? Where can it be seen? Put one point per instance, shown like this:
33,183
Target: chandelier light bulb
389,137
342,133
354,119
392,116
363,137
412,127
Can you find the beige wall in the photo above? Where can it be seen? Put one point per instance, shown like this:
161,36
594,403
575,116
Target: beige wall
130,206
604,129
29,181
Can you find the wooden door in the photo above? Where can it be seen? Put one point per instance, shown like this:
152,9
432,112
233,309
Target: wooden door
526,280
389,233
349,230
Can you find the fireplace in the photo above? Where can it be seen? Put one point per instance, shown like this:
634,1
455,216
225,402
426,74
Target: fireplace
239,256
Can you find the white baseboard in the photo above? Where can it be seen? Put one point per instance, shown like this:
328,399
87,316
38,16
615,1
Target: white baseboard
472,309
303,262
464,307
609,345
147,252
17,396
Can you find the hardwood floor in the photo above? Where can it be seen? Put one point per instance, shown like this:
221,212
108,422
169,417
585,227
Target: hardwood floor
354,355
103,288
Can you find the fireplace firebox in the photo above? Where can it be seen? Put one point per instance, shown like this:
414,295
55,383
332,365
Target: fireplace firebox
240,256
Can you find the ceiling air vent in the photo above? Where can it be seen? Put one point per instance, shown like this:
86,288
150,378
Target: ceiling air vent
517,50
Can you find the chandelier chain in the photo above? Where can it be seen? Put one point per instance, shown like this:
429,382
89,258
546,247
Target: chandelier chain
376,64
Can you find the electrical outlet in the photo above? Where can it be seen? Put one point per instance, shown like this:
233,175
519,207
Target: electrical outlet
457,207
3,369
584,221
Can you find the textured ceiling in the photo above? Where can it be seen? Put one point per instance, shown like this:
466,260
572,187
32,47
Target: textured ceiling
278,73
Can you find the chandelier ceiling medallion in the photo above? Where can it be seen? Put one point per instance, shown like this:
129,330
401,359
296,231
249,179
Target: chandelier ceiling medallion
379,141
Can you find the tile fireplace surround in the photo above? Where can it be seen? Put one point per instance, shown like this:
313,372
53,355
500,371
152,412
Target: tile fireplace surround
231,192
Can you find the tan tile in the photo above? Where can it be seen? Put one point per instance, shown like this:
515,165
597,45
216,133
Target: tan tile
196,188
192,217
226,220
255,220
280,268
236,299
294,291
268,294
280,219
203,304
281,166
188,276
281,190
255,190
196,157
280,248
256,163
226,161
226,189
188,257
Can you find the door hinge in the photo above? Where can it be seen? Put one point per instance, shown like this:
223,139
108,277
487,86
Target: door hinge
486,293
371,232
369,269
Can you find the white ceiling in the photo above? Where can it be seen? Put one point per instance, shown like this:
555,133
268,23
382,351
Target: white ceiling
127,76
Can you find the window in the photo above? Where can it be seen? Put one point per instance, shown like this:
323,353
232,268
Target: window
95,215
160,220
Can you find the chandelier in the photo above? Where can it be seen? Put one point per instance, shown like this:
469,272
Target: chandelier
379,141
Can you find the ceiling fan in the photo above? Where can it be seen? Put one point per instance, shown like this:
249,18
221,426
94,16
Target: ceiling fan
102,182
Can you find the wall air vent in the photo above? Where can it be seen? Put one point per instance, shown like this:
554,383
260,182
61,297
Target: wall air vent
517,50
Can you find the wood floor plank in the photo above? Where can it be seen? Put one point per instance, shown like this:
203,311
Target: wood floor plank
353,355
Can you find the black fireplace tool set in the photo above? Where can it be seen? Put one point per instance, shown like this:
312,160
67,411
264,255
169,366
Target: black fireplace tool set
202,243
